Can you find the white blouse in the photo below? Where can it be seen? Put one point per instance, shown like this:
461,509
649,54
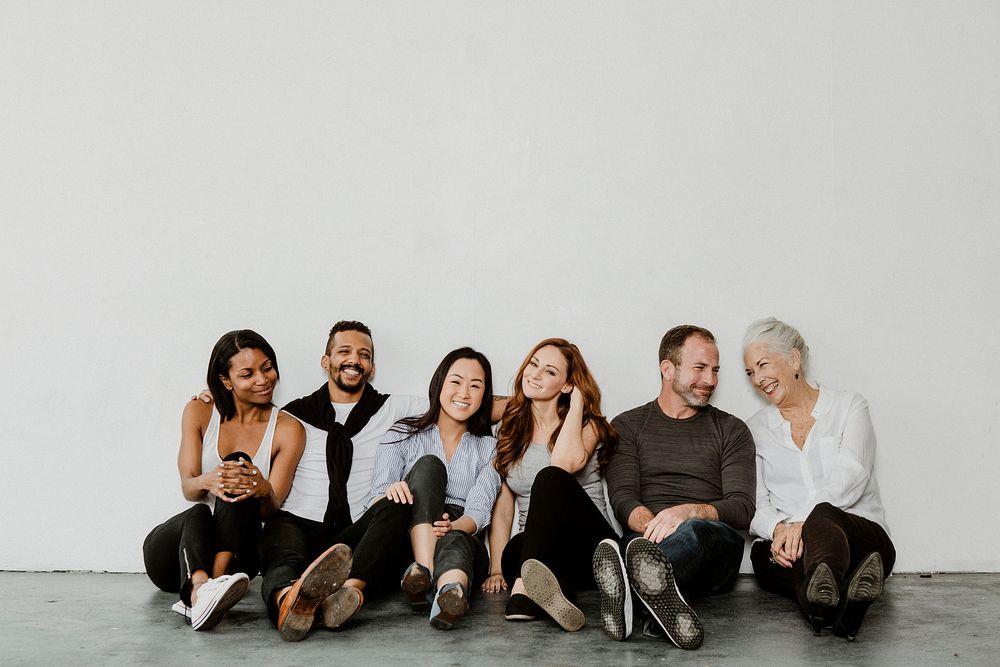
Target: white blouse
835,465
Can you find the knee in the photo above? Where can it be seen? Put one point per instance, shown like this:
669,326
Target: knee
427,468
760,555
549,478
821,515
237,455
199,512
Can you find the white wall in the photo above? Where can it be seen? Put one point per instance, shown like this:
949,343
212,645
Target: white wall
463,173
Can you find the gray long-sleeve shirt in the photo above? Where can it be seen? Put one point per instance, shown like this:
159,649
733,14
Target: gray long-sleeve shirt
661,462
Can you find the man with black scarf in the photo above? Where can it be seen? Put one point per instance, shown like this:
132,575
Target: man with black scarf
344,420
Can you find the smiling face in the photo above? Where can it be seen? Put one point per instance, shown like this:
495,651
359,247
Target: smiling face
350,360
695,378
463,390
770,372
251,376
546,374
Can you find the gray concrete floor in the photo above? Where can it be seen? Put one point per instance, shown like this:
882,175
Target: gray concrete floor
60,618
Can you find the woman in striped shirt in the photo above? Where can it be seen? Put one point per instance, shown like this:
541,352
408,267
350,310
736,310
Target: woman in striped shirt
434,483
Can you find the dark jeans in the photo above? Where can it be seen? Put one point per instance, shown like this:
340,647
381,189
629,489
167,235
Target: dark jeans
189,541
381,536
562,530
832,536
705,555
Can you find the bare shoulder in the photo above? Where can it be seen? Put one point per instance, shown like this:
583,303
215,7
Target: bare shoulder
197,413
288,424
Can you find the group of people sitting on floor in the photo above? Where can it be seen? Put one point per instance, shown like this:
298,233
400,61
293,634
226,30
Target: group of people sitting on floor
348,493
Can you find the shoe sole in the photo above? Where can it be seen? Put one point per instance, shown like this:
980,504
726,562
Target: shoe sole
543,588
320,580
822,589
216,612
866,584
652,579
453,606
616,597
340,607
416,585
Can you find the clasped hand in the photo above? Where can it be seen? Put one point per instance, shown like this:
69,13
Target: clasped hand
787,544
237,480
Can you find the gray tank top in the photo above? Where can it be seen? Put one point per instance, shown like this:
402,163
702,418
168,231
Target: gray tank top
522,475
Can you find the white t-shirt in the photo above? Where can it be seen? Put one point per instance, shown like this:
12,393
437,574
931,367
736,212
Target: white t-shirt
311,484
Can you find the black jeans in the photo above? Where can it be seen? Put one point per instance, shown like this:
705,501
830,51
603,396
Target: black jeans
829,535
705,556
189,541
380,538
562,530
288,545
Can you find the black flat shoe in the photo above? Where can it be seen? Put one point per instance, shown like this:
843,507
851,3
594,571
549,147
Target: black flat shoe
521,608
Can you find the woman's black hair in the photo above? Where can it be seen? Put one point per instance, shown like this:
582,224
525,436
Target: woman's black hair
480,423
218,366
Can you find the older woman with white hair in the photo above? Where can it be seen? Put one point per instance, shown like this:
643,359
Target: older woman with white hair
825,541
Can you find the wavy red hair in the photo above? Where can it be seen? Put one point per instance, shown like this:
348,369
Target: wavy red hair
517,426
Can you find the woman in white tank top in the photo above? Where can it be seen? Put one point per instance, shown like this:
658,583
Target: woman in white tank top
236,464
552,445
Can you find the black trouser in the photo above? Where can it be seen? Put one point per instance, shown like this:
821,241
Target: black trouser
562,530
380,538
288,545
190,540
829,535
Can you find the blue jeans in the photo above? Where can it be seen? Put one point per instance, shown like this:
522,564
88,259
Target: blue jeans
705,555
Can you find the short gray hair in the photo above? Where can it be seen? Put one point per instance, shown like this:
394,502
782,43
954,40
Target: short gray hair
779,337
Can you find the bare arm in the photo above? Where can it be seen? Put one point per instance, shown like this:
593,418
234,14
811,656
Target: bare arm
287,447
500,526
499,405
575,443
195,483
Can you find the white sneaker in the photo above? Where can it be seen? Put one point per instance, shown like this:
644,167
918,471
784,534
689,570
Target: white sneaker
181,608
216,597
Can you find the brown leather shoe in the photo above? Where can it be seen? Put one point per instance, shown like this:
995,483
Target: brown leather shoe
340,607
322,578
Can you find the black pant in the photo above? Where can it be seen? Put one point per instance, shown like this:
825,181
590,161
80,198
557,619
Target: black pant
562,530
380,538
189,541
288,545
832,536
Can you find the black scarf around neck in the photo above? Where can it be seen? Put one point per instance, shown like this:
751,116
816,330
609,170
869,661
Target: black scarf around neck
317,410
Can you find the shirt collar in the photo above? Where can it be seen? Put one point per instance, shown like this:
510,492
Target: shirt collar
824,402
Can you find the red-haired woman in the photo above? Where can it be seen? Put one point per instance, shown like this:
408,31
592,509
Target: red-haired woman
552,445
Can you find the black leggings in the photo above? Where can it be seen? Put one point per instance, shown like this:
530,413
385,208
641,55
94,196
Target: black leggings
380,538
831,536
190,540
562,530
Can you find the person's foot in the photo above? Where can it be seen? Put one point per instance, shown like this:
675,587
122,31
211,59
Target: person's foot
339,607
616,596
863,588
215,598
416,585
544,590
323,577
652,579
450,604
521,608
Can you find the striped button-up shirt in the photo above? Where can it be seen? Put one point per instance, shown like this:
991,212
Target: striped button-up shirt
473,482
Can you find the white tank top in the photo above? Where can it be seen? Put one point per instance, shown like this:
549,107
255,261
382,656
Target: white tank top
210,449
